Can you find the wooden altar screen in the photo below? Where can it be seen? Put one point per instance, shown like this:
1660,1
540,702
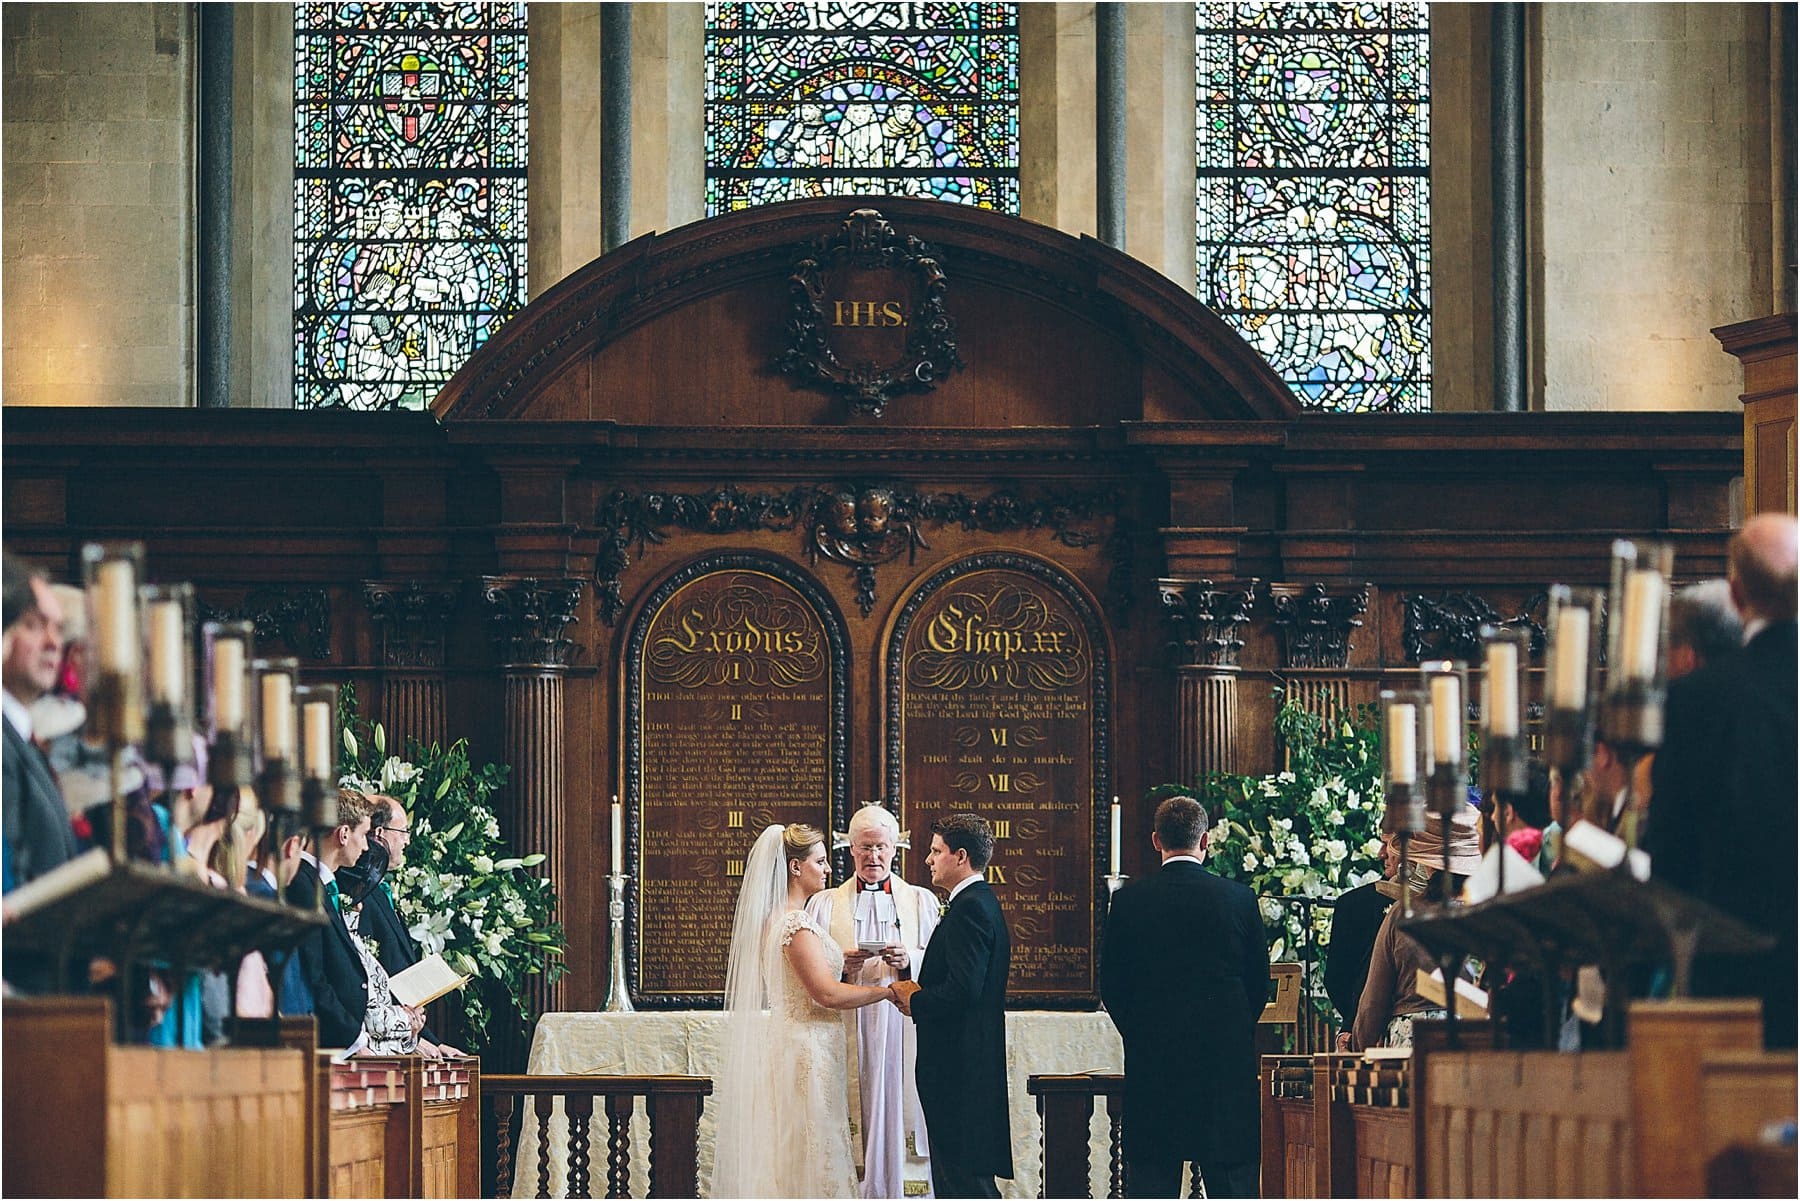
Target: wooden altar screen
477,571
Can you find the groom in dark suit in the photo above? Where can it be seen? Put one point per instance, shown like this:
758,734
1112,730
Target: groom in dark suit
1184,972
328,959
959,1007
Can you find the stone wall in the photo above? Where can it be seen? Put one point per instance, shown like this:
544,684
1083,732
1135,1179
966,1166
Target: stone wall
1652,217
96,260
1652,202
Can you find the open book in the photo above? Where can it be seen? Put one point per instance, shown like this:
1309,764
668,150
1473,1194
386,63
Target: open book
1471,1002
426,981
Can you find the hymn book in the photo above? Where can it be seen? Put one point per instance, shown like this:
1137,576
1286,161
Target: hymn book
426,981
1471,1002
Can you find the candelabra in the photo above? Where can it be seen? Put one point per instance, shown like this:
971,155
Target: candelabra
618,992
1504,761
1402,761
1631,711
1446,788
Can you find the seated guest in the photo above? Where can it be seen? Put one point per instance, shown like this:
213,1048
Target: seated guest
1390,998
329,958
1354,923
390,833
1522,820
273,868
1723,819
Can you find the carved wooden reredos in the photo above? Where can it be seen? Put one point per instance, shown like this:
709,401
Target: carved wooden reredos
1046,418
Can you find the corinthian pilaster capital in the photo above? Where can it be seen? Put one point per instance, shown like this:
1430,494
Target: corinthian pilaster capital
1205,619
528,619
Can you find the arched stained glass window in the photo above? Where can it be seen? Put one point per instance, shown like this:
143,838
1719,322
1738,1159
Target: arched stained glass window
409,195
822,99
1314,194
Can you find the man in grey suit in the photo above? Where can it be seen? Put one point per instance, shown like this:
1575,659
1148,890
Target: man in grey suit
36,824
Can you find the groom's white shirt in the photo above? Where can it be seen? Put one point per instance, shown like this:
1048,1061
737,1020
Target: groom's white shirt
966,881
881,1096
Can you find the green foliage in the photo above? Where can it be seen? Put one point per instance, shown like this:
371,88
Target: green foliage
461,892
1312,830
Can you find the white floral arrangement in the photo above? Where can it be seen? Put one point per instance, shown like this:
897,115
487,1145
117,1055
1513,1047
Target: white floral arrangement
461,892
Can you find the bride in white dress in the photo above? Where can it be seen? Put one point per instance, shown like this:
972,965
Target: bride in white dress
783,1130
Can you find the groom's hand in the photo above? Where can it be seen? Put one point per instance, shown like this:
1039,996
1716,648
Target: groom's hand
903,991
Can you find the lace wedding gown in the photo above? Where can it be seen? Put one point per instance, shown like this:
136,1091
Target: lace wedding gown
800,1110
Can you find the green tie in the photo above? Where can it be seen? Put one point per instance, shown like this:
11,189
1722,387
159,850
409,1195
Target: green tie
331,891
388,892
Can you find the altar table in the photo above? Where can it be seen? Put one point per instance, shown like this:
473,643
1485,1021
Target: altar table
687,1043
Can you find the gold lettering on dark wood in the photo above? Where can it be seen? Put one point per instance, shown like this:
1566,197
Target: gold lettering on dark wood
735,732
997,713
878,313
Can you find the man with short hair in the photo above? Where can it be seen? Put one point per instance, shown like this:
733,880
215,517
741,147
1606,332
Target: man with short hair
1184,972
390,833
874,906
959,1006
1723,816
36,822
328,959
1703,626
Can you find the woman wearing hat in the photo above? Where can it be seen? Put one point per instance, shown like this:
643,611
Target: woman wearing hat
1391,999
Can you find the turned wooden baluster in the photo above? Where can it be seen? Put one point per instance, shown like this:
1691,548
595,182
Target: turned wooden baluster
1194,1180
503,1150
580,1108
543,1104
618,1144
1115,1120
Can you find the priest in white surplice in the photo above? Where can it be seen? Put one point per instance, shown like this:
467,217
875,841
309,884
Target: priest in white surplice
874,908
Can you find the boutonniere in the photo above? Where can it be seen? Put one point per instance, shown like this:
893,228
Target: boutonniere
943,908
344,904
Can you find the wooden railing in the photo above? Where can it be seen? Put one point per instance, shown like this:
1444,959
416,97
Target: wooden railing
672,1102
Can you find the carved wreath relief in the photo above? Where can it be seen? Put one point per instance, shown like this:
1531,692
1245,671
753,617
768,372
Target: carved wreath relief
866,316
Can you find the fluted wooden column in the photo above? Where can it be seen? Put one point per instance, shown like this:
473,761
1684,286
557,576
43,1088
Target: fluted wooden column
528,621
410,621
1205,620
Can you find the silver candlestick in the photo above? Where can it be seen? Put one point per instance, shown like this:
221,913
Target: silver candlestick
618,993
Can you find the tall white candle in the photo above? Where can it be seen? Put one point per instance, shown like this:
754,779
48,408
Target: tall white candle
1115,836
1569,659
278,715
168,667
1643,623
315,720
1503,689
115,617
618,838
1446,719
228,684
1403,743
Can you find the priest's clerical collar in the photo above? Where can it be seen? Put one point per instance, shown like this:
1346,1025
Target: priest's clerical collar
886,885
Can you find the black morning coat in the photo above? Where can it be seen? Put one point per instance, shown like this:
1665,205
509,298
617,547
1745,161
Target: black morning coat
333,969
1184,972
960,1016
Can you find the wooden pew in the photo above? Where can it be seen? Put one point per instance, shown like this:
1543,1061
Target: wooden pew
399,1126
1692,1090
1362,1126
87,1118
1289,1139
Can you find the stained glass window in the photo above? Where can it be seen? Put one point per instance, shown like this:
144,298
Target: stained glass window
823,99
1314,194
409,195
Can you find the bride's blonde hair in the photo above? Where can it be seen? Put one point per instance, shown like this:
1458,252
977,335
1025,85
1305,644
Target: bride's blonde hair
798,840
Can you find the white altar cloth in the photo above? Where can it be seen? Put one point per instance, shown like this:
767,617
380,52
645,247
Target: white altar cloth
686,1043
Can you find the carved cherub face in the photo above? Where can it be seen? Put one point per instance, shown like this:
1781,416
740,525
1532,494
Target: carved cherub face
874,509
840,515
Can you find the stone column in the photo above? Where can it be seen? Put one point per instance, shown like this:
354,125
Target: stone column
410,620
1511,392
212,366
1109,120
615,125
1204,621
528,621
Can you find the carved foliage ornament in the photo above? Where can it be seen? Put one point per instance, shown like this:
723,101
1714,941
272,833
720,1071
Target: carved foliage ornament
866,317
1204,619
1315,623
528,619
1450,626
411,618
300,617
860,525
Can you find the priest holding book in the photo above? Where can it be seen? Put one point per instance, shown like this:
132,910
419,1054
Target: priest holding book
390,832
